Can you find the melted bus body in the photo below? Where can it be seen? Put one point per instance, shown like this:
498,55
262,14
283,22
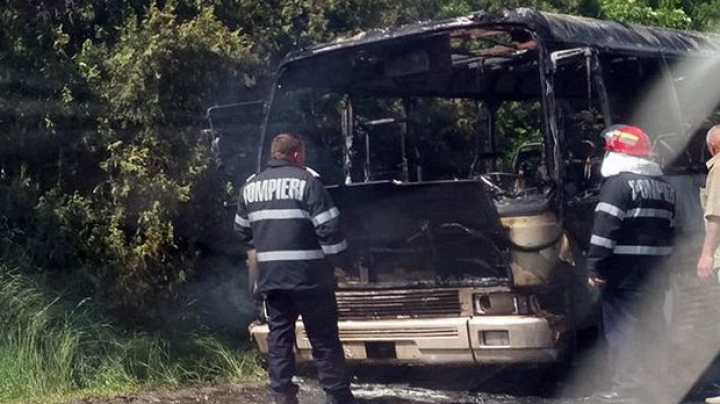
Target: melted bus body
464,156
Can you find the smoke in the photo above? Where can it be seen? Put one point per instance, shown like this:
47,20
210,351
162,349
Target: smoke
220,296
691,306
687,341
680,103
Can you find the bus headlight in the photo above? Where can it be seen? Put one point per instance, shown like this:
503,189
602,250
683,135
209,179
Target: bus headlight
501,304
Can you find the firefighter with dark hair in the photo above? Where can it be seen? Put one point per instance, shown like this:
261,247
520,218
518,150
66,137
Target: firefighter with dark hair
631,238
293,224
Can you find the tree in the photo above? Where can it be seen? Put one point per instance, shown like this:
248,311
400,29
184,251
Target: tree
667,14
105,174
156,82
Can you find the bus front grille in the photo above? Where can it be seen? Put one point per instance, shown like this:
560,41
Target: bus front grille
380,304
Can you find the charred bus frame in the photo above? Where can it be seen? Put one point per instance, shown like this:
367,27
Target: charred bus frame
522,297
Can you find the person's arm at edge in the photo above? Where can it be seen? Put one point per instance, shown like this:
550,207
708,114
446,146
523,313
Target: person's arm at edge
710,244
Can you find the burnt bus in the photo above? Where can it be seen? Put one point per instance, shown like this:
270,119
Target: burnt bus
464,156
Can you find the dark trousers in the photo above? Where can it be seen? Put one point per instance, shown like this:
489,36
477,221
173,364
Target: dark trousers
635,330
320,317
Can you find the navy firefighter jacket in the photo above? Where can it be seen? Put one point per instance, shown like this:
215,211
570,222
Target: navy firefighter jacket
633,227
295,227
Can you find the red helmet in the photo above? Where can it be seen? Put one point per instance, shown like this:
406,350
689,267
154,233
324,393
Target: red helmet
627,139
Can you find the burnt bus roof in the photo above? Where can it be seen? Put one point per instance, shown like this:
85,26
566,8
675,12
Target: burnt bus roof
564,31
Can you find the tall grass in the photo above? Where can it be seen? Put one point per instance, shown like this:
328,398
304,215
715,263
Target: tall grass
50,351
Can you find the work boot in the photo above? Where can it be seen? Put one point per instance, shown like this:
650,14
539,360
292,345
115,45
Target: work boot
287,395
284,399
613,397
340,397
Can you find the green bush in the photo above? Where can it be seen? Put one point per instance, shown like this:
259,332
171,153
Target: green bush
155,84
50,349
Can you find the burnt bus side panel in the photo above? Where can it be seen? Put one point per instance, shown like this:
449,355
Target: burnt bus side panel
694,329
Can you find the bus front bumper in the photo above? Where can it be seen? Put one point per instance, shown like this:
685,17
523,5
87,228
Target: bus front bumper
453,341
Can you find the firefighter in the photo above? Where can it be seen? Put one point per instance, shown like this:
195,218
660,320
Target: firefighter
293,224
631,237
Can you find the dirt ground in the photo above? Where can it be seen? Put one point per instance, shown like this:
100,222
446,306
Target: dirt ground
310,393
249,393
412,386
256,393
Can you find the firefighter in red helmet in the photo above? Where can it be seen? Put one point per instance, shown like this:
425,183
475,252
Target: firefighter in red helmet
631,237
626,139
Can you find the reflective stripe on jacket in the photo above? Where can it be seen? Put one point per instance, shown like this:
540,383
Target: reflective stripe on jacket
292,221
633,222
